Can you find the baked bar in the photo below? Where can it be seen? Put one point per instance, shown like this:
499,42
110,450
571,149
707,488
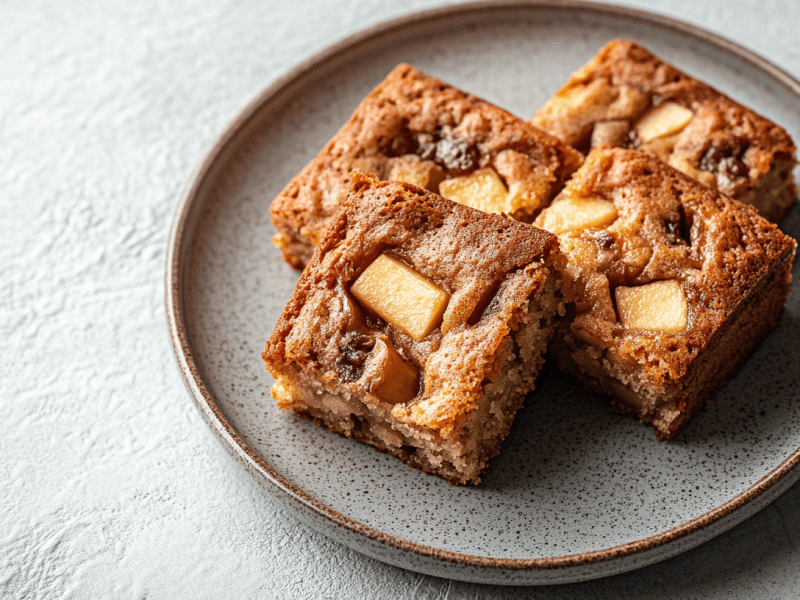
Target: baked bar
416,129
418,327
626,97
676,285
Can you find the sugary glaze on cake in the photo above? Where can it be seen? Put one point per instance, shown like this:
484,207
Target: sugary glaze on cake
475,367
724,145
415,128
732,266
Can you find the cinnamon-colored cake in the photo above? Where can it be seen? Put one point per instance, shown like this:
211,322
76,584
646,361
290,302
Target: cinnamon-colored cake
676,285
418,327
626,97
416,129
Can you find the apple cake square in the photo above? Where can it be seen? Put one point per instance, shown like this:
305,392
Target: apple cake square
626,97
418,327
676,284
417,129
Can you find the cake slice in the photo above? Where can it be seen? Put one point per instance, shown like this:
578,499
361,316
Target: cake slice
416,129
626,97
676,285
418,327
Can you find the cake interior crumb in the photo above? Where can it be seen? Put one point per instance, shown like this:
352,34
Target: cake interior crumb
463,455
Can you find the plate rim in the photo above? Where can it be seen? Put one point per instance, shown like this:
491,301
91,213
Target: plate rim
177,263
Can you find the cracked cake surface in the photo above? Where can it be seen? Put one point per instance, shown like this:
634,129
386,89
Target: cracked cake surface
440,397
417,129
675,284
627,97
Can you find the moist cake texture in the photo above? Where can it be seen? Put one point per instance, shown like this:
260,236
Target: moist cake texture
418,327
416,129
626,97
676,284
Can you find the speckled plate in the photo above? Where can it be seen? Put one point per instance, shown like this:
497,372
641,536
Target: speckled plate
577,493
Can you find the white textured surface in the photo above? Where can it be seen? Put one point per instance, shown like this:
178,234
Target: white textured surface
112,486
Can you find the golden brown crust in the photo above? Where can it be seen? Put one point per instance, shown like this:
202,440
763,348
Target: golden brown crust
669,227
725,145
411,117
462,250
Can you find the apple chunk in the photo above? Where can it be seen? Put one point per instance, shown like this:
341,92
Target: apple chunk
422,173
483,189
401,296
398,379
662,120
657,306
570,214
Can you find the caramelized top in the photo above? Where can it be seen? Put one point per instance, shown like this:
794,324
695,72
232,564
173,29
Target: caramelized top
415,128
667,227
490,265
724,145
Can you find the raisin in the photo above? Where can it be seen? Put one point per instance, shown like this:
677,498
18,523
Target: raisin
733,167
353,354
710,159
425,146
725,161
456,155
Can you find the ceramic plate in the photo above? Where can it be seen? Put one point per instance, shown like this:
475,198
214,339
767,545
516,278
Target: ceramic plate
576,493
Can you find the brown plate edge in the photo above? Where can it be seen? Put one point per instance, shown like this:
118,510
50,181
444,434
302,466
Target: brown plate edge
177,255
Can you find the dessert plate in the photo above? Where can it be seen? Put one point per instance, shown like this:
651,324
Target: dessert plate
576,493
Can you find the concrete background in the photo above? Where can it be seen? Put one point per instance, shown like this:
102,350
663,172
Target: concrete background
111,486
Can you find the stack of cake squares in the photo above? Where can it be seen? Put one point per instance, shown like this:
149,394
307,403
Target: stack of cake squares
627,231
